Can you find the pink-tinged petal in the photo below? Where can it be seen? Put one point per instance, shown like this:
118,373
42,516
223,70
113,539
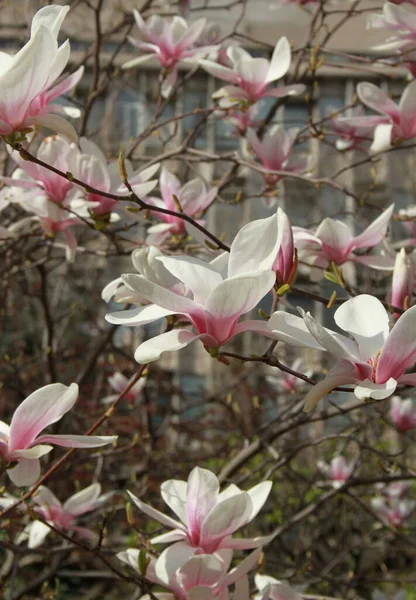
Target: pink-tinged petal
35,452
226,517
25,473
407,379
246,543
335,343
402,282
375,98
140,315
176,535
280,61
159,295
78,441
399,350
172,559
66,84
42,408
135,62
382,138
200,277
343,373
240,294
375,232
258,496
336,239
247,254
367,320
83,501
169,186
169,83
5,128
292,330
378,391
23,183
203,570
257,326
243,568
173,493
407,103
44,496
56,123
155,514
219,71
374,261
191,34
37,534
201,496
152,349
242,589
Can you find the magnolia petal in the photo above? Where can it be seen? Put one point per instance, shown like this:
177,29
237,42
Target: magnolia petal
342,373
258,496
25,473
203,570
378,391
200,277
152,349
159,295
37,534
141,315
399,350
173,493
83,501
56,123
156,514
246,543
78,441
42,408
226,517
375,232
292,330
280,62
382,138
243,568
175,535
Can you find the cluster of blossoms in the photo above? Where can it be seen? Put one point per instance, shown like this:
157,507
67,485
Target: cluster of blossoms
392,505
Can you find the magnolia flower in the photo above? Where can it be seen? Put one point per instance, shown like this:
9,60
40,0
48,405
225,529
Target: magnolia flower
272,589
29,75
288,383
194,198
118,382
63,516
242,120
208,518
394,510
395,489
400,21
338,471
90,166
334,242
217,302
403,413
355,129
251,77
145,262
21,443
375,362
170,42
401,123
403,281
190,575
274,150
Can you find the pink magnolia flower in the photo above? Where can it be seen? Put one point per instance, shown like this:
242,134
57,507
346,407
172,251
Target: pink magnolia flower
21,443
90,166
403,282
170,42
145,262
393,509
64,516
400,21
194,198
288,383
29,77
251,77
403,414
274,150
355,130
191,575
338,471
118,382
375,362
242,120
272,589
401,123
395,489
208,518
334,242
216,305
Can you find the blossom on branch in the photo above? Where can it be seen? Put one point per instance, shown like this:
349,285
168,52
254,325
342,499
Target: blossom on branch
251,77
64,516
334,242
21,443
169,42
403,413
29,78
119,382
208,518
403,283
400,21
272,589
375,362
338,471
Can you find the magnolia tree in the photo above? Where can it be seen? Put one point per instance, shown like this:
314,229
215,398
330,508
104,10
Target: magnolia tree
290,472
